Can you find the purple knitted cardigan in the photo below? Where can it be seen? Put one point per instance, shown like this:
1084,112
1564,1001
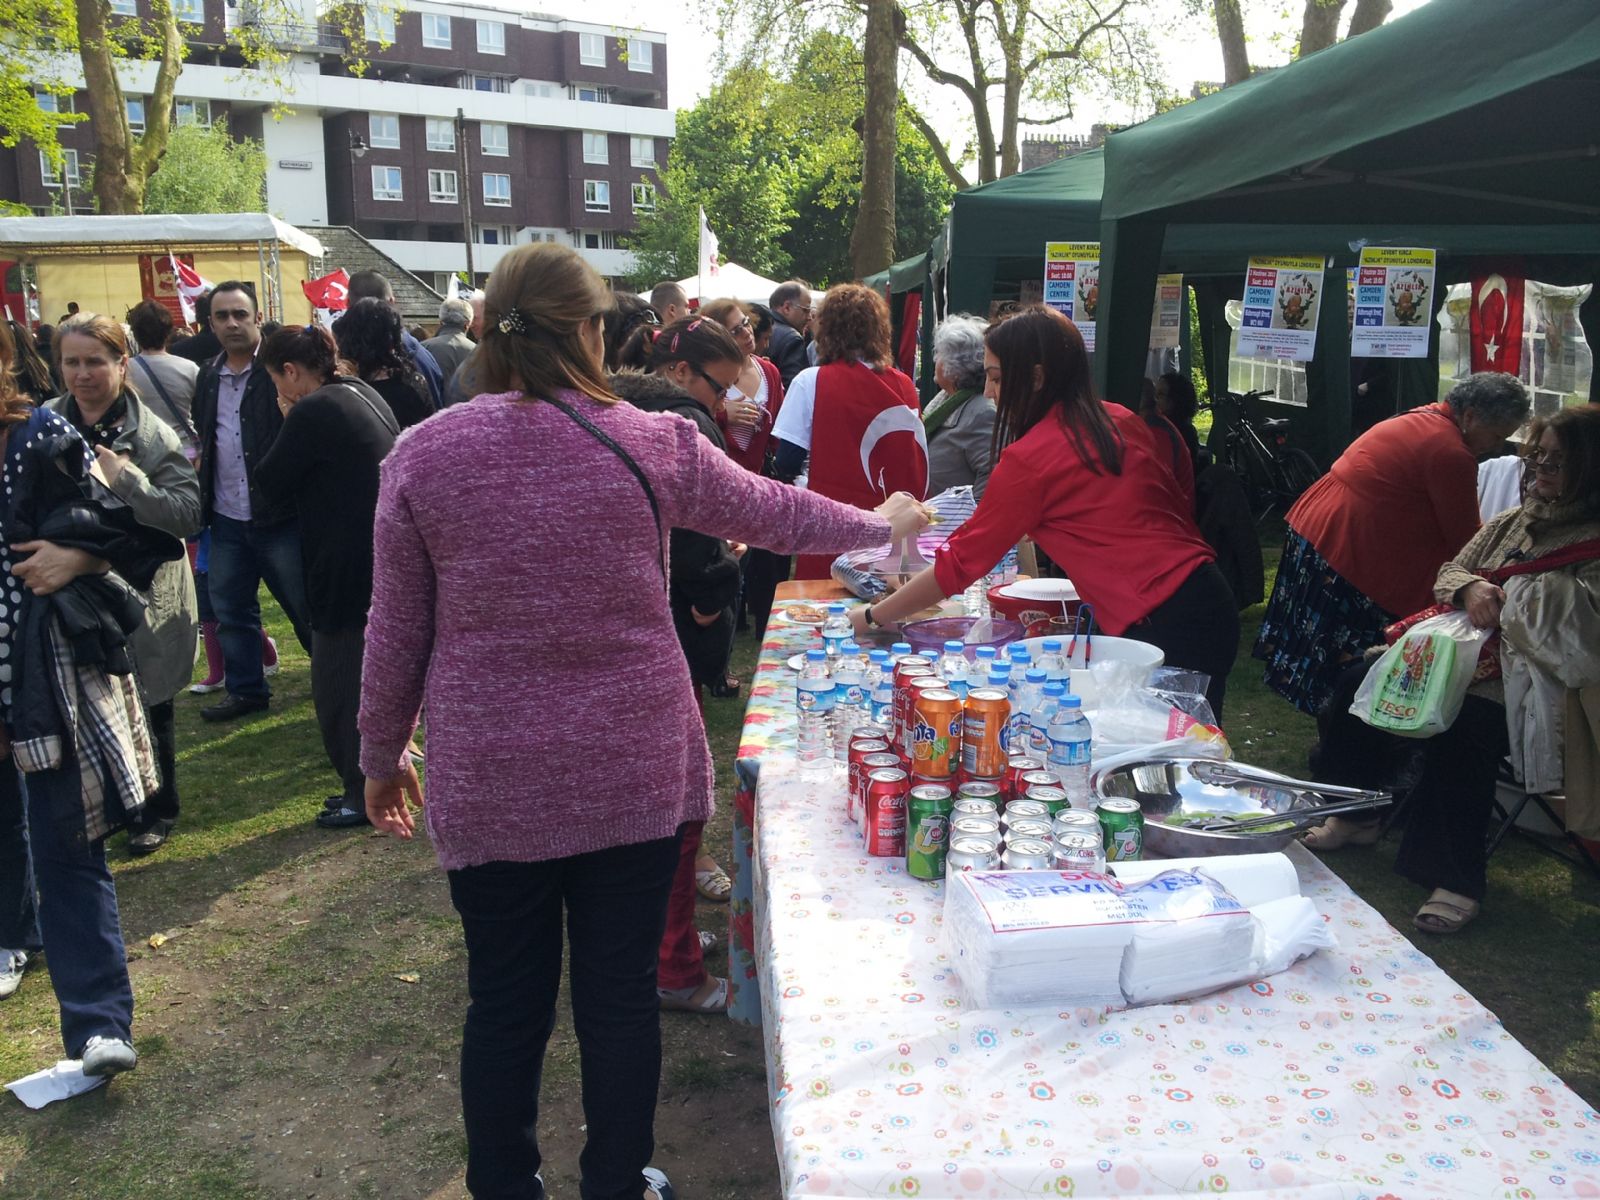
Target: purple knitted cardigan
517,591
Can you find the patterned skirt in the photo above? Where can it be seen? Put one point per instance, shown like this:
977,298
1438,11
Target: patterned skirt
1317,623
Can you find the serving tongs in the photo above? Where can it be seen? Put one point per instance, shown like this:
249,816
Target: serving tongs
1229,774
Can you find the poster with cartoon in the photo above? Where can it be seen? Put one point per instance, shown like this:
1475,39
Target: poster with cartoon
1282,297
1167,315
1393,302
1072,284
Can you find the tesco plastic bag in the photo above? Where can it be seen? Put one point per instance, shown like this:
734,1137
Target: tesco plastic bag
1417,686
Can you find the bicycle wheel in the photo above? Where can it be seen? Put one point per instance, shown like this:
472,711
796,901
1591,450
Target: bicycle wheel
1254,471
1298,471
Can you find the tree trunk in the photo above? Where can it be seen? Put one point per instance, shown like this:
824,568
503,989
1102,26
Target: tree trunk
1369,15
1230,32
121,167
872,242
1319,28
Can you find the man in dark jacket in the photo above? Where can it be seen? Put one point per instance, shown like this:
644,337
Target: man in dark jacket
199,348
791,310
253,540
371,283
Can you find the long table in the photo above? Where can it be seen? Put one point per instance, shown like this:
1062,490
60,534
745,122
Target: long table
1363,1073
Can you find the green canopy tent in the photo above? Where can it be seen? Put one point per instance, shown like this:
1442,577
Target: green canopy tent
897,284
1472,126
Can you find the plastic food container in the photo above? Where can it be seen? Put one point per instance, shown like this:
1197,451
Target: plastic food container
929,637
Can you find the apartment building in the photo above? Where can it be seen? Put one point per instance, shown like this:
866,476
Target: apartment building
520,126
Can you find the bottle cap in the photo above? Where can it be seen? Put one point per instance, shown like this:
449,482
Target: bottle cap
816,656
1055,689
836,608
953,647
900,648
1036,675
879,656
1019,654
851,646
986,652
1071,701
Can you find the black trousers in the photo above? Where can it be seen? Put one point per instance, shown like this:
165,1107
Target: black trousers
1197,628
336,695
162,804
615,903
763,572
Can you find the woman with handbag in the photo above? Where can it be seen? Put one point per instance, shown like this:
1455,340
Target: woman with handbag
1533,575
519,589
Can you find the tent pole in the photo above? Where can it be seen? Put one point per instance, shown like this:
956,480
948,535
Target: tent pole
1130,258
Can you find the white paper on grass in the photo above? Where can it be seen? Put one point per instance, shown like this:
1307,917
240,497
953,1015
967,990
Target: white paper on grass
60,1082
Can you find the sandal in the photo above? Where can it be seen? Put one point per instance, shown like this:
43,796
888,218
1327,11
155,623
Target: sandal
710,997
726,690
714,885
1445,912
1336,833
708,940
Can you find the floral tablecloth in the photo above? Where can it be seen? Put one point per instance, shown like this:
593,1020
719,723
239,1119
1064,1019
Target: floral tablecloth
1364,1073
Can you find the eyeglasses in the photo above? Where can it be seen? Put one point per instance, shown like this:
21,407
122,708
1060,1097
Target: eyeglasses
741,327
1549,464
719,390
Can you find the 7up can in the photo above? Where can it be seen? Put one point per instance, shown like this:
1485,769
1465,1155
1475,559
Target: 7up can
927,830
1122,827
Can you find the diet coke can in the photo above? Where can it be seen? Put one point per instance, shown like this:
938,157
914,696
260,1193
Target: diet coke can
1080,850
885,812
1027,854
971,854
1031,829
973,826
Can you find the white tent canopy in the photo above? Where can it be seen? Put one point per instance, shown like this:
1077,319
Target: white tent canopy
732,282
155,229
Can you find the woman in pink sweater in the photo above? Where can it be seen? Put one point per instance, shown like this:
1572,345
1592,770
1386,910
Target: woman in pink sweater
520,541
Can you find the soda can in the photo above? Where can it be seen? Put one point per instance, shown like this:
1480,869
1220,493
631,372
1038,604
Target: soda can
971,854
1122,829
1080,850
1043,777
884,760
935,733
1051,796
860,747
980,789
1029,829
885,812
1019,809
909,668
983,716
927,830
976,806
1076,820
1017,766
877,733
1026,854
973,826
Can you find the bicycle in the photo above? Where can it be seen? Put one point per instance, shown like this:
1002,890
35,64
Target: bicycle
1274,473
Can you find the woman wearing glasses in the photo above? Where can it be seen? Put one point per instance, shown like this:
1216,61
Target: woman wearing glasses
1543,709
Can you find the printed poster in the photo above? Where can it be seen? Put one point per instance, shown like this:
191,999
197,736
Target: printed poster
158,283
1168,312
1282,296
1394,302
1072,284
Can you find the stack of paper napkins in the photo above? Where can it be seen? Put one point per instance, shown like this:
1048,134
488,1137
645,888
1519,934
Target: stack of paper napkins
1071,939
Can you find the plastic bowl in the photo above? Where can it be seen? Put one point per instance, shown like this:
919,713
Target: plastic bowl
929,637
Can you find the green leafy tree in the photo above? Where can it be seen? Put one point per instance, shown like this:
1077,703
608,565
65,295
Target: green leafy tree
205,170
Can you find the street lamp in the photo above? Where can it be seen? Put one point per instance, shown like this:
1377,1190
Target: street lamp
358,151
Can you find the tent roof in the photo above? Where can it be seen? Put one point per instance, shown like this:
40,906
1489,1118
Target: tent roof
1407,122
1059,201
162,230
733,281
904,276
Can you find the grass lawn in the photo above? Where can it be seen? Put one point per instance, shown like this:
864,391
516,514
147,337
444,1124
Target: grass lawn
300,992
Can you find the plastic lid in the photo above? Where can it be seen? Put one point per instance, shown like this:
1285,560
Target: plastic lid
851,646
1052,645
1055,689
900,648
1070,700
816,656
998,675
953,647
836,607
1019,654
878,656
1036,675
987,651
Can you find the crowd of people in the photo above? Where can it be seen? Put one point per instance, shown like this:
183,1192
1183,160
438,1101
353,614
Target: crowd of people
635,476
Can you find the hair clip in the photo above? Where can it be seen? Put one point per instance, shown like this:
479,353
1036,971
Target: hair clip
513,322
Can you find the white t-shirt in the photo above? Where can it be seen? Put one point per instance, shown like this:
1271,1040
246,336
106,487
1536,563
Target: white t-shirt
743,435
799,406
1499,485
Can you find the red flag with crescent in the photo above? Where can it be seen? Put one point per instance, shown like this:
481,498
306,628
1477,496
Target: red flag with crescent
331,292
1497,320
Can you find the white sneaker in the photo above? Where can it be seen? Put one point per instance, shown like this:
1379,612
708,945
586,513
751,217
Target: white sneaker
108,1056
656,1183
12,964
205,689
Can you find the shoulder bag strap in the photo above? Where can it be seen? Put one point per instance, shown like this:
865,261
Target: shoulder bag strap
172,408
627,460
1567,555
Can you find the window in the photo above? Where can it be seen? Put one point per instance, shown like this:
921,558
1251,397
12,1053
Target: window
594,95
69,164
641,55
441,281
497,190
496,235
485,83
436,31
545,91
136,114
189,10
642,151
386,184
442,187
383,131
125,8
441,133
596,148
496,139
596,239
51,103
379,24
596,195
491,37
644,197
592,49
193,112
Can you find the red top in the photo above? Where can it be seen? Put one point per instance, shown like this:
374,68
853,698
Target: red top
1126,541
1395,508
754,456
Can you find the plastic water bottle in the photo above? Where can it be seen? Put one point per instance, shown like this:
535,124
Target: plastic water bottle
1039,719
1025,698
883,695
815,698
983,660
1054,663
836,630
1000,680
954,669
850,701
1020,659
1071,753
899,650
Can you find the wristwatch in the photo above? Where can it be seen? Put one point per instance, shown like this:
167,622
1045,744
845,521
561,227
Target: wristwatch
867,616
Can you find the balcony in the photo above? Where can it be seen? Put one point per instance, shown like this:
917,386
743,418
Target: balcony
305,36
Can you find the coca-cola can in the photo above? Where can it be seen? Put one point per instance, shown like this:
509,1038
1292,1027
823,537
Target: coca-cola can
882,760
1026,854
1080,850
885,812
1043,777
1017,766
870,730
972,854
1076,820
855,786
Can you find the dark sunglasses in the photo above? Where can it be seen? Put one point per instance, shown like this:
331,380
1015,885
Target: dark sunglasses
719,390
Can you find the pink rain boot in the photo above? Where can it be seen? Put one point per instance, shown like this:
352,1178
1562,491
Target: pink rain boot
269,655
213,680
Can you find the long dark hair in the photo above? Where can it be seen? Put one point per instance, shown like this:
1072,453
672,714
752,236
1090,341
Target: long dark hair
696,341
1041,337
32,372
369,337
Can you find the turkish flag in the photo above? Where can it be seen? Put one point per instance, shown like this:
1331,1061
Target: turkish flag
1497,321
331,292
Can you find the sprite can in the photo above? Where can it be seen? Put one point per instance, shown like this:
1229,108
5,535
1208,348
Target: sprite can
927,830
1122,828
